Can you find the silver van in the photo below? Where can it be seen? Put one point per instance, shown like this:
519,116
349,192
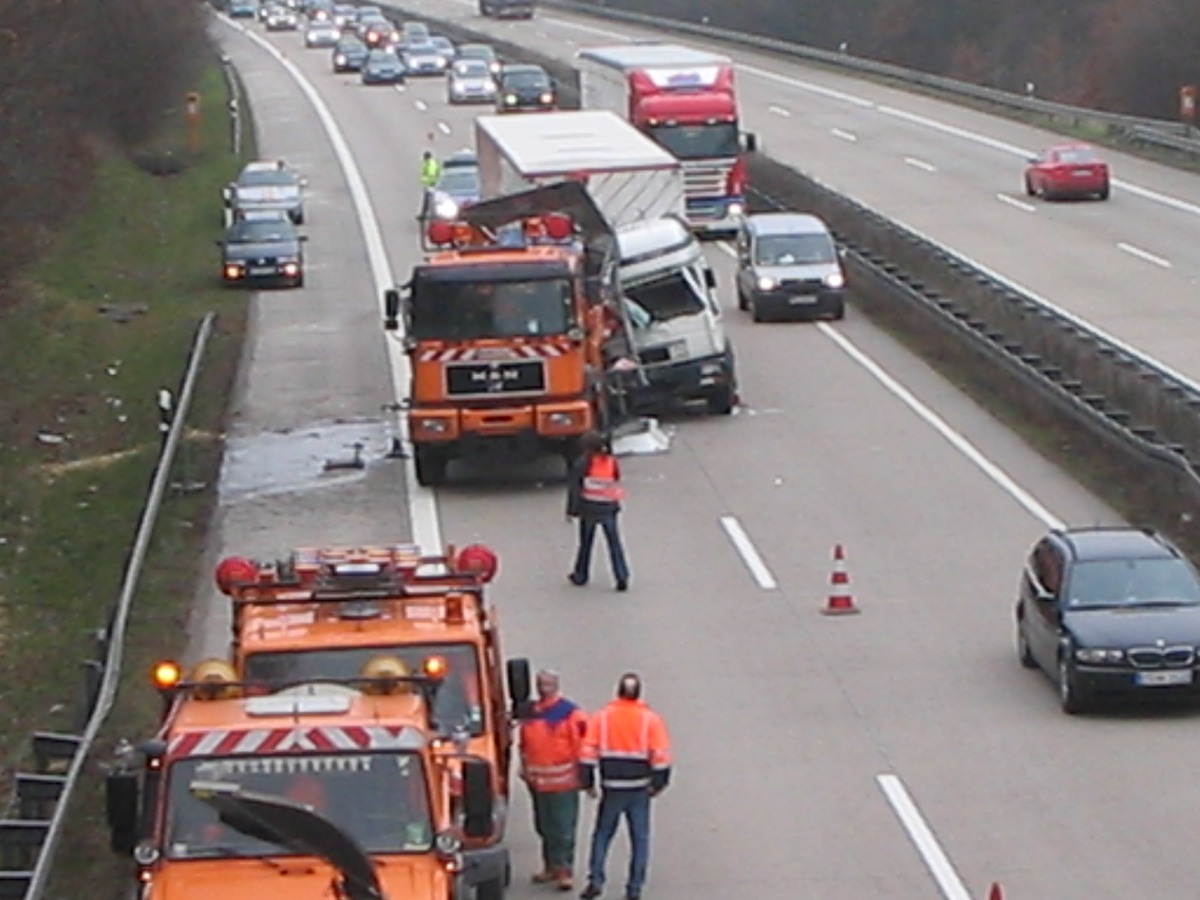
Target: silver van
789,267
677,329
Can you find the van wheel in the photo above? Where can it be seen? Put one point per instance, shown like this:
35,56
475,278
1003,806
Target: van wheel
755,313
431,466
742,304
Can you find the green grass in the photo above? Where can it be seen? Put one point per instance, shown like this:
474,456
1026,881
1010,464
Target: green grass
142,245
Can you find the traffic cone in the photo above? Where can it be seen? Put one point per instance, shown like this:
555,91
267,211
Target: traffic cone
841,602
996,892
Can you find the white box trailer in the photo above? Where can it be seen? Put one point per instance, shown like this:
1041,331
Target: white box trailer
629,177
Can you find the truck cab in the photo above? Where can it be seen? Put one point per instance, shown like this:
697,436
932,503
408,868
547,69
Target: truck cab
678,331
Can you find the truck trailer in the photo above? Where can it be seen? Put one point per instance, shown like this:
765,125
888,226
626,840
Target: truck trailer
686,101
629,177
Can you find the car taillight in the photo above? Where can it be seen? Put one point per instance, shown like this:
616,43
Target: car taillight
735,184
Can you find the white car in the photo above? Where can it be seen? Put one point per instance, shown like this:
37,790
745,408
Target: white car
280,18
423,59
322,33
470,81
265,185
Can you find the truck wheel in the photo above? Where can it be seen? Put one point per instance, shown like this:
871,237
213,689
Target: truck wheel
431,466
721,401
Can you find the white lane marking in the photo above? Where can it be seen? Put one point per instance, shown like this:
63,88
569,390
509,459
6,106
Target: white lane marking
807,86
780,111
400,89
1025,499
922,836
844,135
1019,204
421,105
443,128
727,247
754,562
590,29
422,503
1146,255
919,164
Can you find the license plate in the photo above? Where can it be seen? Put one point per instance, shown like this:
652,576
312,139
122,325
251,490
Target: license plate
1162,679
1082,173
261,270
802,300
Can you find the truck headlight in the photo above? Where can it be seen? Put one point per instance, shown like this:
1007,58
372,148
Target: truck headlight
735,210
710,368
561,419
436,426
1098,655
766,283
835,280
445,208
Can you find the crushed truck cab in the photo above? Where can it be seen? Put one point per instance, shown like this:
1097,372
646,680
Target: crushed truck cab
326,781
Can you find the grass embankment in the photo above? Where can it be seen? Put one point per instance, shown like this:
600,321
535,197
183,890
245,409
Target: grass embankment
87,340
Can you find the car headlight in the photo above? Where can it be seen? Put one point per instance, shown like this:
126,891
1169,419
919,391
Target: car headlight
233,272
547,97
340,59
445,208
1098,655
291,269
510,99
442,61
834,280
766,283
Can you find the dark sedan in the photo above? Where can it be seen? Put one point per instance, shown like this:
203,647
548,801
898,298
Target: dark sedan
524,88
262,249
1110,610
382,67
349,54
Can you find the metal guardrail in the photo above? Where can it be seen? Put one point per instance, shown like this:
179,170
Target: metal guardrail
1163,133
235,104
29,839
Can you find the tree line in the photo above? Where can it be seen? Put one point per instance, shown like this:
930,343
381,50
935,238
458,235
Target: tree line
79,78
1126,56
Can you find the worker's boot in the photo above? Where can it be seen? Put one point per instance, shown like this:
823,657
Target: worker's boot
546,876
564,878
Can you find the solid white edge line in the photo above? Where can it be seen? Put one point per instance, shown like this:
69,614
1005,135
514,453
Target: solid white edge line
1144,255
422,504
1001,478
923,839
754,562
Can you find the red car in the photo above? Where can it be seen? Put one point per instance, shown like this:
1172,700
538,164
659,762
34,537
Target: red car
1067,170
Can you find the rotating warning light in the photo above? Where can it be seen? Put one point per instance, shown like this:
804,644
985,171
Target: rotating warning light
434,667
477,560
558,227
233,571
166,674
441,232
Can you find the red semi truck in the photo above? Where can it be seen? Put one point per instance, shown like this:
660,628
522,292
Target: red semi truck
685,100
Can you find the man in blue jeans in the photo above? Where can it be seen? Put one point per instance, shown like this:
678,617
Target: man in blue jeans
594,497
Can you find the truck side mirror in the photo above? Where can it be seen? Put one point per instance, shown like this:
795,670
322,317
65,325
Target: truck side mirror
121,803
391,308
477,798
749,142
520,684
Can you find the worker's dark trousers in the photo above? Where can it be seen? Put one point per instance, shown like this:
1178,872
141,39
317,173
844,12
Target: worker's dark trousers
587,537
555,817
635,807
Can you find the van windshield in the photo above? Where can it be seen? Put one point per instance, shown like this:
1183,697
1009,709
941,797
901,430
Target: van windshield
666,298
794,250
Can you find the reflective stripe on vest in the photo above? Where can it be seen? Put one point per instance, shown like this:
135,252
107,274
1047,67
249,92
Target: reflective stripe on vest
548,779
600,481
624,769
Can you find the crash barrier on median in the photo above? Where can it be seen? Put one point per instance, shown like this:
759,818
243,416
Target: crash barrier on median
234,86
1135,130
34,822
1049,365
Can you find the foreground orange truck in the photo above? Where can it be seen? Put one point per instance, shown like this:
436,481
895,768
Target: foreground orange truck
511,328
326,612
325,787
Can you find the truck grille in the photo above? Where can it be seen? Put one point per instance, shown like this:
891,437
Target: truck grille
492,378
705,181
1157,658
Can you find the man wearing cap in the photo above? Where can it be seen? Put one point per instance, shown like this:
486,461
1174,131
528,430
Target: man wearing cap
551,736
628,753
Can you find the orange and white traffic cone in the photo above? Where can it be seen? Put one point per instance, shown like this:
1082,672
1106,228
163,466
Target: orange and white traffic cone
840,602
996,892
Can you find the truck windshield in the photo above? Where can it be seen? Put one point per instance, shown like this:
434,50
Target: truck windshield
698,141
470,310
380,799
457,704
666,298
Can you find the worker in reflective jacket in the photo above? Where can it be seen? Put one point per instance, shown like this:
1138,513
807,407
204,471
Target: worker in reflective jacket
551,737
594,497
628,754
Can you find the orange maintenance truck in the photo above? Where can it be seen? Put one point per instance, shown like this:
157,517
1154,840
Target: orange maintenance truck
514,329
324,787
325,612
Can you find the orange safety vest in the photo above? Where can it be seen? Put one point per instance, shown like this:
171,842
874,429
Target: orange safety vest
600,481
628,742
550,746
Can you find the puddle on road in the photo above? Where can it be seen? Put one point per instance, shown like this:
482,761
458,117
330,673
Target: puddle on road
272,463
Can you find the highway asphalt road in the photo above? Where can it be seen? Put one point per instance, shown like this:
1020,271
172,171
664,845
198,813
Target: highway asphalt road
1126,265
899,753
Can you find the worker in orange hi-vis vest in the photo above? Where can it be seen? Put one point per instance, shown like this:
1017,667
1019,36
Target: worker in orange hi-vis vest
594,498
627,752
551,738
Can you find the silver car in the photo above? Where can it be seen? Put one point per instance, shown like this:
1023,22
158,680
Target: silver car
265,185
470,81
322,33
423,58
